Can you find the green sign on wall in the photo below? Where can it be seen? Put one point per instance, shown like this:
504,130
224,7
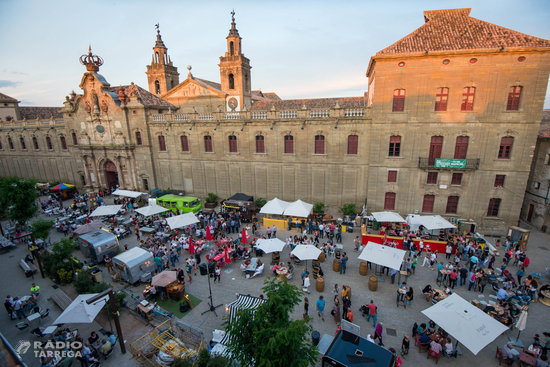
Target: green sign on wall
450,163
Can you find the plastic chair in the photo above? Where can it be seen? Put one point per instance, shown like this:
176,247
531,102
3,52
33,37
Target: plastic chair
433,355
421,348
501,359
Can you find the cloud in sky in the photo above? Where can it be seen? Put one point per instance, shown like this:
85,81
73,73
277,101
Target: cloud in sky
8,83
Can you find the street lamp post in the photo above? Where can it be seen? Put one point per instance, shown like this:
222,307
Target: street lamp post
114,311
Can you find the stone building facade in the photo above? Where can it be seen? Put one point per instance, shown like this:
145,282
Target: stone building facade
472,99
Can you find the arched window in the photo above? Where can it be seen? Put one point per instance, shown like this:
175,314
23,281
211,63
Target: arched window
260,147
184,143
1,146
49,143
10,142
63,142
157,57
162,143
75,138
231,81
231,48
157,87
319,144
23,145
35,143
353,142
232,144
398,100
207,143
289,144
138,138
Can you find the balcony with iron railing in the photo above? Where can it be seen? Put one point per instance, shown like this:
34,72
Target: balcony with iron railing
449,164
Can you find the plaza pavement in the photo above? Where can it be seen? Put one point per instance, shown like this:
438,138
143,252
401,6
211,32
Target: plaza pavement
13,282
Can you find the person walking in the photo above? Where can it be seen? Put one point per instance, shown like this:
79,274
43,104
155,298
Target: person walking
343,263
336,311
321,307
378,333
409,296
373,312
306,307
307,283
274,231
401,291
8,304
18,308
217,274
108,263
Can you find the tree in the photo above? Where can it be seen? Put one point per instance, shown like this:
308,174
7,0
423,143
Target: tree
41,228
260,202
348,209
18,198
318,207
267,337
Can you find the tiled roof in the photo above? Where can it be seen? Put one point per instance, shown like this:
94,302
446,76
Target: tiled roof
273,96
215,85
454,29
297,104
258,95
6,98
148,99
32,113
545,115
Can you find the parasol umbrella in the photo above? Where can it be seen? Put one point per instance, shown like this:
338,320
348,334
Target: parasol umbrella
521,323
164,278
88,227
191,246
306,252
79,312
209,236
226,259
270,245
62,186
244,239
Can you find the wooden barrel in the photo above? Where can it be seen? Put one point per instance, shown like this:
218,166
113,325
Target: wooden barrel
315,271
275,257
336,265
373,283
337,254
322,257
320,284
315,262
363,268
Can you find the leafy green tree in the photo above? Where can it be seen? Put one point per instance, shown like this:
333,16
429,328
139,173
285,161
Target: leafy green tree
318,207
348,209
41,228
260,202
18,198
267,337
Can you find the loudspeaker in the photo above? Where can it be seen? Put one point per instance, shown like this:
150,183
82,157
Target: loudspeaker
211,268
202,268
184,307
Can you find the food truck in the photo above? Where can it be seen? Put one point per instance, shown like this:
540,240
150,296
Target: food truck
97,244
135,265
180,204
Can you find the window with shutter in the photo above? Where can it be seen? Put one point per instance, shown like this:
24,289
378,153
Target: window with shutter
456,179
398,100
184,143
49,143
494,206
461,147
208,144
468,96
260,147
138,138
514,96
395,146
353,141
289,144
319,144
436,145
428,204
499,180
392,176
75,138
232,144
505,149
63,142
432,178
441,98
162,143
389,201
452,205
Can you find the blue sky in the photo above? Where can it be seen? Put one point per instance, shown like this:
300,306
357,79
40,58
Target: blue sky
298,49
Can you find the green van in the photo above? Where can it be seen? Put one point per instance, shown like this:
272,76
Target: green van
180,204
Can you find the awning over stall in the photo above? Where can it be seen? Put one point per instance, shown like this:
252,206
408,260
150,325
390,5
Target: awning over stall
182,220
275,206
382,255
105,210
298,208
430,222
382,217
128,193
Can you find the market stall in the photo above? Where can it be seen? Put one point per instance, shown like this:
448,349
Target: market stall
242,204
98,243
135,265
182,220
106,210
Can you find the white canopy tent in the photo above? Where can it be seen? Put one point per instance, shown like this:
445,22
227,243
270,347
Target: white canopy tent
128,193
298,208
105,210
270,245
383,255
151,210
275,206
182,220
468,324
430,222
382,217
79,312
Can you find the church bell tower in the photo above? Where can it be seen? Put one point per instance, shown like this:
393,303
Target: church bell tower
162,75
235,72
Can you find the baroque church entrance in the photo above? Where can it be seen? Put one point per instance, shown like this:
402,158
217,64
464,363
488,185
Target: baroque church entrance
111,174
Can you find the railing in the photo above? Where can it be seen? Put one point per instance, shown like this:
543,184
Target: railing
288,114
259,115
206,117
181,117
471,164
158,118
319,114
357,112
232,115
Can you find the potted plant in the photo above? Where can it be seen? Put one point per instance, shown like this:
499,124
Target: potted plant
211,200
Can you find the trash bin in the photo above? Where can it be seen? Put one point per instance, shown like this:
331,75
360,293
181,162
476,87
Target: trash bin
315,337
97,275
